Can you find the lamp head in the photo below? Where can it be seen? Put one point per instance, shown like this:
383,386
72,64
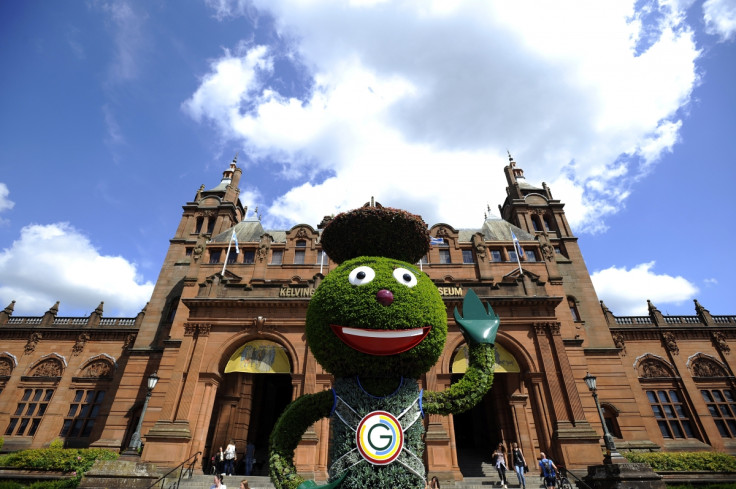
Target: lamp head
152,381
590,381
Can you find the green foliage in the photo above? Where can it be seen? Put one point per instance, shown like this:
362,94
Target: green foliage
685,461
337,301
287,432
2,441
470,389
376,231
73,462
57,443
57,484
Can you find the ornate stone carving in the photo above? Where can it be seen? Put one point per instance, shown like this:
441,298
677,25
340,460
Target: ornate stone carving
618,341
6,367
442,232
302,233
548,252
97,369
542,327
704,367
196,329
129,341
197,251
720,341
670,342
259,323
48,368
479,245
78,347
263,246
653,368
32,342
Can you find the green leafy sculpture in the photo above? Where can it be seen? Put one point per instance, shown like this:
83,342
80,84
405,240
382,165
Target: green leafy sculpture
377,323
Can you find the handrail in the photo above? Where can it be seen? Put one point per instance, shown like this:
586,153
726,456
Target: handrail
189,469
580,481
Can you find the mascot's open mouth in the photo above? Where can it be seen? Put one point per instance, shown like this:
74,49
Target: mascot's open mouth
380,342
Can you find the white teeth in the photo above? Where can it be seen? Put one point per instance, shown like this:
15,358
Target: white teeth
383,334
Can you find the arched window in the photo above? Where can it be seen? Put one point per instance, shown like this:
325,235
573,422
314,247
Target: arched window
572,304
610,416
666,398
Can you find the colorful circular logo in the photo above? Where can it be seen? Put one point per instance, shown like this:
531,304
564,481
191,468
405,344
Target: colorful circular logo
379,437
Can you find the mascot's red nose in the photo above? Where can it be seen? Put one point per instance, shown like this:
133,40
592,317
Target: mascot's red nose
384,297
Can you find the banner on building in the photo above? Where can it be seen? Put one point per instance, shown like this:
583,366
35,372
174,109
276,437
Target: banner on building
505,361
259,357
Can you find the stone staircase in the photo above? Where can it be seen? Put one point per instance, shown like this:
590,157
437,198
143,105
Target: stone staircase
261,482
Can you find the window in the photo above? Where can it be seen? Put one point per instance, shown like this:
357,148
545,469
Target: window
276,256
609,415
512,255
530,255
322,258
215,256
445,256
722,407
535,224
198,226
299,253
82,413
573,309
188,251
249,256
232,257
546,222
423,260
29,412
210,225
671,414
496,255
468,256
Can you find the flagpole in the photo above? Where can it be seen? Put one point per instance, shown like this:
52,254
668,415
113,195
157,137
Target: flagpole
518,260
227,255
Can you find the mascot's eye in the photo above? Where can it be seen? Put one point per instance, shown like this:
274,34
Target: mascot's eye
361,275
405,277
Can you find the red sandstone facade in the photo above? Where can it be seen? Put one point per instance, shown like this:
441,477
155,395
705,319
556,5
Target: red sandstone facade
665,382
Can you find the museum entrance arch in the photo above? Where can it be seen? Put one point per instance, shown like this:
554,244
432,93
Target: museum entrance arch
479,430
256,388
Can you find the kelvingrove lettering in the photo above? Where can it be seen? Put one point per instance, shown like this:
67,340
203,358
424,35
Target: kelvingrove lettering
309,291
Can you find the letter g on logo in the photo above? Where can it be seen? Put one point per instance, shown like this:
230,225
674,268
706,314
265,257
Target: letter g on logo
379,438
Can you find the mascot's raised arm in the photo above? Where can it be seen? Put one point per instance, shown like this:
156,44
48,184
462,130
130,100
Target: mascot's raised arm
377,323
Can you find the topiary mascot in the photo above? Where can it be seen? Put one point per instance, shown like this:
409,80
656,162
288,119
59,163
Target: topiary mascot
377,324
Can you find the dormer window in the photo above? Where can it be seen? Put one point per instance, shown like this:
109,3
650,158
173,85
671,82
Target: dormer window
300,252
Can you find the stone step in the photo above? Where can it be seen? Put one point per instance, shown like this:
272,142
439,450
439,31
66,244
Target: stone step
261,482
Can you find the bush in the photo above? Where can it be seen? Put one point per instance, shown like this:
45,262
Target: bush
685,461
73,462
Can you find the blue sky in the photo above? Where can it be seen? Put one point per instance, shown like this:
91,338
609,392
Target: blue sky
114,112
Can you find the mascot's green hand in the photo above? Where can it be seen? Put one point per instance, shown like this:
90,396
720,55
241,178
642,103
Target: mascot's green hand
477,324
313,485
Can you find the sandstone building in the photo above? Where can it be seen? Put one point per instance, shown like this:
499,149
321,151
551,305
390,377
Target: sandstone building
230,350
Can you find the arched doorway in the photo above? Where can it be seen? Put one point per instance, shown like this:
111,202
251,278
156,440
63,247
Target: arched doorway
257,388
479,430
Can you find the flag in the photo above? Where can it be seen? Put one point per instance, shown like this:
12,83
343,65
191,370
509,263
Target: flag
235,238
436,241
517,246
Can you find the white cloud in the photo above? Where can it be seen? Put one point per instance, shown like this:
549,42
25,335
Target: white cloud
625,291
720,18
55,262
412,98
5,203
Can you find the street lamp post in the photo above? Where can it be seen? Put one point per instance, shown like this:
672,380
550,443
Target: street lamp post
611,452
135,441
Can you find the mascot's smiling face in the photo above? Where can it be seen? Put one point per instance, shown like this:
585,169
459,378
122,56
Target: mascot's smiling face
377,317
